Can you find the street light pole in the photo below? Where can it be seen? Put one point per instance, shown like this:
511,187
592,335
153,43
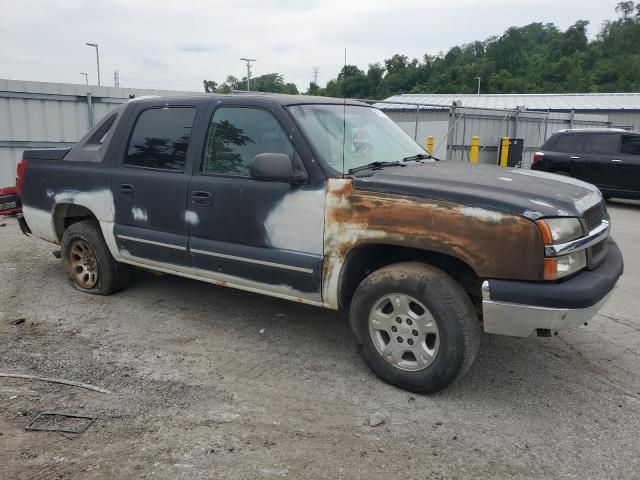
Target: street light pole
479,80
95,45
86,77
248,60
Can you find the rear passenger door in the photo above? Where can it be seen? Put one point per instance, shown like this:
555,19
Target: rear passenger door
627,163
257,235
150,186
596,163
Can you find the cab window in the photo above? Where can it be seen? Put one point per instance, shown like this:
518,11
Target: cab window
236,135
160,139
630,145
601,143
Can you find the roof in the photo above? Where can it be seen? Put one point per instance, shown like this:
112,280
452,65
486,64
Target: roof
534,101
258,97
593,130
286,99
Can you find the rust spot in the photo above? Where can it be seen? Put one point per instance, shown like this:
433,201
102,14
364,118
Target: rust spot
493,244
340,186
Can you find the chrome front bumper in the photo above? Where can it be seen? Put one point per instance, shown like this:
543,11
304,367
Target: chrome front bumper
517,320
519,308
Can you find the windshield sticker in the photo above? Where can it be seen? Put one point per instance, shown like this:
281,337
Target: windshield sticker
361,141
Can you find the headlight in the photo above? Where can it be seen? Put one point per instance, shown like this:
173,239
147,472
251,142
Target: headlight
568,264
561,230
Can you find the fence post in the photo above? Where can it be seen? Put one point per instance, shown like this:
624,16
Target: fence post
546,125
452,126
516,123
430,144
572,119
90,109
415,135
464,135
475,149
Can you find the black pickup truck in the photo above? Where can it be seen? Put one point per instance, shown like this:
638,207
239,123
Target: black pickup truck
326,202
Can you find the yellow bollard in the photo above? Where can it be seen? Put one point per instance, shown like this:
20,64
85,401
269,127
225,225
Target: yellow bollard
504,151
475,149
430,145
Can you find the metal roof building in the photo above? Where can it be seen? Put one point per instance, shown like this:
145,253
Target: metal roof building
623,109
44,114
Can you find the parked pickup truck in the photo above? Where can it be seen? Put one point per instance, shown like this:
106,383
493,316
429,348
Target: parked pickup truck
327,203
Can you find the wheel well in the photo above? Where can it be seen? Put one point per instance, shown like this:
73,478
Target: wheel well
361,261
66,214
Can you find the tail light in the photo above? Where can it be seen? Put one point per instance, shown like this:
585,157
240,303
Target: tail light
537,157
22,166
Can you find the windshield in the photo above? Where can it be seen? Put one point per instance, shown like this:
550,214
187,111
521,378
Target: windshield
371,136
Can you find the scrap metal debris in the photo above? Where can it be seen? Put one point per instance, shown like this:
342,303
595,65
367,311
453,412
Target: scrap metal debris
47,422
56,380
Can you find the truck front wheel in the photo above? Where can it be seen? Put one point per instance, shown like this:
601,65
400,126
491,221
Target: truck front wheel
415,326
88,262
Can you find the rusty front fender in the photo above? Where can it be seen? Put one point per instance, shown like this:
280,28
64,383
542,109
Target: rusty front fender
493,244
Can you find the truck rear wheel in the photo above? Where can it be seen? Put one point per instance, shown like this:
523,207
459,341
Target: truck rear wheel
88,262
415,326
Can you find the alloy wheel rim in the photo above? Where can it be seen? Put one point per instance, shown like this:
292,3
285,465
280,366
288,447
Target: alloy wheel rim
84,265
404,332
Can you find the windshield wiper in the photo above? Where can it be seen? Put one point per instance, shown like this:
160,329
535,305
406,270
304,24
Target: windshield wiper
420,156
373,165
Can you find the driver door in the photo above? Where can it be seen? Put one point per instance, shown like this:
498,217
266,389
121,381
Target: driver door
256,235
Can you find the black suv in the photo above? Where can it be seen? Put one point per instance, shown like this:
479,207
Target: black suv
609,158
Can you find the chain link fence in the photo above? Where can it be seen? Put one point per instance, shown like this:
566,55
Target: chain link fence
450,129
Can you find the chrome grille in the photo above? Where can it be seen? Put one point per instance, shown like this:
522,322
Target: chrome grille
593,216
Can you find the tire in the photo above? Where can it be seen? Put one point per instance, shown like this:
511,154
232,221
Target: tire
88,262
442,353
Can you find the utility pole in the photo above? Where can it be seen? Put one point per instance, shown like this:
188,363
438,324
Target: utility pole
86,77
95,45
248,60
479,80
316,70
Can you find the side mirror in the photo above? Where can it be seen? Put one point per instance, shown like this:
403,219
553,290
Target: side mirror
277,167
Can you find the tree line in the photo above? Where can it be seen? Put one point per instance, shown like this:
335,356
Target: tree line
536,58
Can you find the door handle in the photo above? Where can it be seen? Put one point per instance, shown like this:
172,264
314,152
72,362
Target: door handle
201,197
616,160
574,158
127,189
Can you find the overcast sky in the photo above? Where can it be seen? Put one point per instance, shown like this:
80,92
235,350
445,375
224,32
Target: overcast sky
177,44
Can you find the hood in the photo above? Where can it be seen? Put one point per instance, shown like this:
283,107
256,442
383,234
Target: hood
529,193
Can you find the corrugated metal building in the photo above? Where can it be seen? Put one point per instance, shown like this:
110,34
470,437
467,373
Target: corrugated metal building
622,109
43,114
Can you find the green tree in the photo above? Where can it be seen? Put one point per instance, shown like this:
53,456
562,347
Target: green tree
210,86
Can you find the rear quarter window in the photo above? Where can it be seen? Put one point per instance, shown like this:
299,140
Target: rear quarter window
566,143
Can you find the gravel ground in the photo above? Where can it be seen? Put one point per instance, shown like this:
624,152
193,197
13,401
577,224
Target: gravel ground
210,382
